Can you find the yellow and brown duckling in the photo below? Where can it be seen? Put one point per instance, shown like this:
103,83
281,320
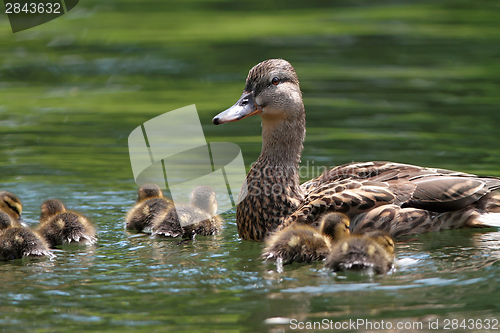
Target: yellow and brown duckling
370,252
150,204
303,243
167,224
10,204
420,199
383,239
198,218
59,226
20,242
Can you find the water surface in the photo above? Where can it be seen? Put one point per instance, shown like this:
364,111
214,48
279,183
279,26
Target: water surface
406,81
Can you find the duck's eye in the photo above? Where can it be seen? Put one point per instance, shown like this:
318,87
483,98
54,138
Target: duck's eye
275,81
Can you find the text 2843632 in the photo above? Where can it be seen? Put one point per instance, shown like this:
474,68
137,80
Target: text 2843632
33,8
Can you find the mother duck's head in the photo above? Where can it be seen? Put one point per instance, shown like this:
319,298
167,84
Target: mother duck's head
272,91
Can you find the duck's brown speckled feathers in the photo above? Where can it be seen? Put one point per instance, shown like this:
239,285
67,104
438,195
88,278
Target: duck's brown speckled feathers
22,242
258,214
59,226
347,196
304,243
258,76
412,199
150,204
368,252
11,205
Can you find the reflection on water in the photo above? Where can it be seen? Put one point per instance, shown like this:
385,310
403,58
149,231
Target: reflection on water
406,81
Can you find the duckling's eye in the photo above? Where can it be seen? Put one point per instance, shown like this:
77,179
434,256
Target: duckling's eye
13,208
275,81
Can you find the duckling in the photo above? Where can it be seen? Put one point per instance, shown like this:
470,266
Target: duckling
10,204
383,239
203,208
167,224
198,218
150,204
373,251
21,242
303,243
50,208
59,226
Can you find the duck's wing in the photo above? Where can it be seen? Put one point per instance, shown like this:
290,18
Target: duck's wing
399,221
346,196
377,171
360,187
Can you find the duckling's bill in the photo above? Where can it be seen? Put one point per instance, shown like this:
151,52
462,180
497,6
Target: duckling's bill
243,108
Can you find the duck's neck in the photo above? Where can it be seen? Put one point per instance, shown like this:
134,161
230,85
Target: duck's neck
282,141
273,181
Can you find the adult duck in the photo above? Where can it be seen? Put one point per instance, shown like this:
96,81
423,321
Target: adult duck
397,198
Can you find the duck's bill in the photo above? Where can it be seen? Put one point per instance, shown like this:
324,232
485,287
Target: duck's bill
21,222
244,107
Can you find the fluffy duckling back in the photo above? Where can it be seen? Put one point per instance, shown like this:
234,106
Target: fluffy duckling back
10,204
5,221
373,251
203,208
167,224
20,242
198,218
59,226
150,204
303,243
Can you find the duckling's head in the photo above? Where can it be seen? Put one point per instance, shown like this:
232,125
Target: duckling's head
147,191
51,207
204,198
334,225
5,221
11,205
272,90
383,239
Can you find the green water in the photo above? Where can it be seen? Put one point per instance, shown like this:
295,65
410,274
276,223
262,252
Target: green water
407,81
